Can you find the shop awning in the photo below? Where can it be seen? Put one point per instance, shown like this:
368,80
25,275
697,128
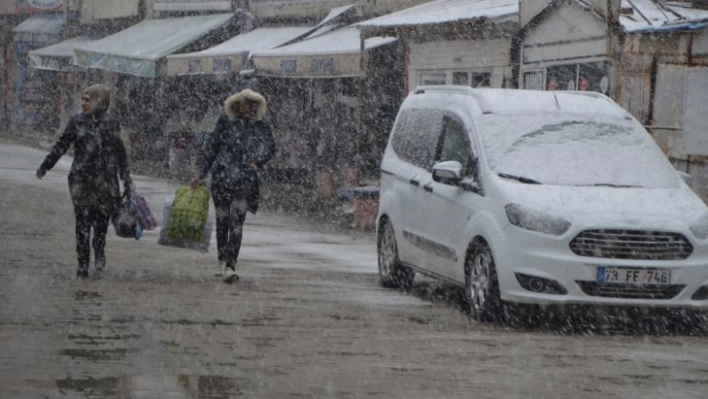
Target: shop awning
191,5
57,57
231,55
39,30
332,54
137,50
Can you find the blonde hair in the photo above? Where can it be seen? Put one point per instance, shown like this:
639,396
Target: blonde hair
100,98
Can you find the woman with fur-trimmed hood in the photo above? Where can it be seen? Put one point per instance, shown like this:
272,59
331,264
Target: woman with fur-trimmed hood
100,160
241,143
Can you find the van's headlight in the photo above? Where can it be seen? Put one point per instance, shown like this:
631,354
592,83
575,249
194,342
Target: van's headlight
699,228
535,220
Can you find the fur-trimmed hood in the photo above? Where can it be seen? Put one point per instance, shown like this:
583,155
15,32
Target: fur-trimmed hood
234,112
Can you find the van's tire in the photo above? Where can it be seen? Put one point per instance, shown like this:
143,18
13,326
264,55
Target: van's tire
482,297
392,274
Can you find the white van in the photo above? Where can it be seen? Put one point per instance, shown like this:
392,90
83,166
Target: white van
534,197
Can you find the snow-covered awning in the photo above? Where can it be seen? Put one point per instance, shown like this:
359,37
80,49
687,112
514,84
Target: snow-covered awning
192,5
39,30
231,55
445,11
639,16
57,57
332,54
137,50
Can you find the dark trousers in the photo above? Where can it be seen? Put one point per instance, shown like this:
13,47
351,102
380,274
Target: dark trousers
230,217
87,217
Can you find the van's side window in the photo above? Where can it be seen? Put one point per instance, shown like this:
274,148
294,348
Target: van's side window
454,144
416,135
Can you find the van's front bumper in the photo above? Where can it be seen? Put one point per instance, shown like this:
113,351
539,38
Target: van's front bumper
568,278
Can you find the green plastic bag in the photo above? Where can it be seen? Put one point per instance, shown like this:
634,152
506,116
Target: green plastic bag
189,214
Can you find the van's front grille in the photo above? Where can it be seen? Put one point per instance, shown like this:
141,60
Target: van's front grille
631,244
630,291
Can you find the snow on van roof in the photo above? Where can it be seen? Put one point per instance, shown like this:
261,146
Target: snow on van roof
514,101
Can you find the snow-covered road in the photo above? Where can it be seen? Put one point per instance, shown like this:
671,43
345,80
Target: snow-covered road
307,320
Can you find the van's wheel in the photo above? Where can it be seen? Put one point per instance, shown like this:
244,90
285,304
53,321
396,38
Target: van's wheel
481,284
392,273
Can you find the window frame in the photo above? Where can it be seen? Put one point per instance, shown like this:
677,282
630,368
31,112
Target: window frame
450,73
469,169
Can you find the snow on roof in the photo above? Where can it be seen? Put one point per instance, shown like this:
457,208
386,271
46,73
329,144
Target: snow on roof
335,13
342,41
137,49
63,49
155,38
441,11
48,23
650,16
323,30
258,39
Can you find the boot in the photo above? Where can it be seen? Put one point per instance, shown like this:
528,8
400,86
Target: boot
82,271
220,268
229,275
100,262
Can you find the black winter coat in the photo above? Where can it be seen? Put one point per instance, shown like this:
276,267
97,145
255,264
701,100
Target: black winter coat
231,148
99,160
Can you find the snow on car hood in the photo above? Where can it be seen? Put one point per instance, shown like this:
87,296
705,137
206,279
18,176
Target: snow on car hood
631,207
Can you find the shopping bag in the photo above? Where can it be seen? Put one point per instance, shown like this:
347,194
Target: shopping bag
141,210
201,245
124,220
189,214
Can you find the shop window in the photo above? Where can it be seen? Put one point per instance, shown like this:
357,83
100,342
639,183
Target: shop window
481,79
533,80
460,78
591,76
432,78
472,79
562,77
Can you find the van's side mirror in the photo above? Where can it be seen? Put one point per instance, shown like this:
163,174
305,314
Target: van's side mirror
448,172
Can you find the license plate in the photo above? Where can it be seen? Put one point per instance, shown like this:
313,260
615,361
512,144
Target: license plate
633,276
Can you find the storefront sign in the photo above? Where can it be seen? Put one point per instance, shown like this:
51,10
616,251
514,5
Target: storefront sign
322,65
194,66
288,66
36,6
221,65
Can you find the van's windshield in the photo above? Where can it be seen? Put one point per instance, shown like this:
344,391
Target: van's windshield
575,151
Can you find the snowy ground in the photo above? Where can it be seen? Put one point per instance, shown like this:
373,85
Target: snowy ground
307,320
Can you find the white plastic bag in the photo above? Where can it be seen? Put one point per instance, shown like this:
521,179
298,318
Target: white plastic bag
202,246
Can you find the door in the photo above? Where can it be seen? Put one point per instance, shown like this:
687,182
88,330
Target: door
406,164
450,207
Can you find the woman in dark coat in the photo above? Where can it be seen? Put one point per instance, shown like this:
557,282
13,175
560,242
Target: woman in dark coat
242,142
99,160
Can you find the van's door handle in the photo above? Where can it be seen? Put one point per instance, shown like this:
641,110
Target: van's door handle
415,182
428,188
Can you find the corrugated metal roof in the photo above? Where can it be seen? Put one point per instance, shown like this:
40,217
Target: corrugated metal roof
650,16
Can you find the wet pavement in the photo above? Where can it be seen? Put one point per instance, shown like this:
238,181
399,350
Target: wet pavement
307,320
